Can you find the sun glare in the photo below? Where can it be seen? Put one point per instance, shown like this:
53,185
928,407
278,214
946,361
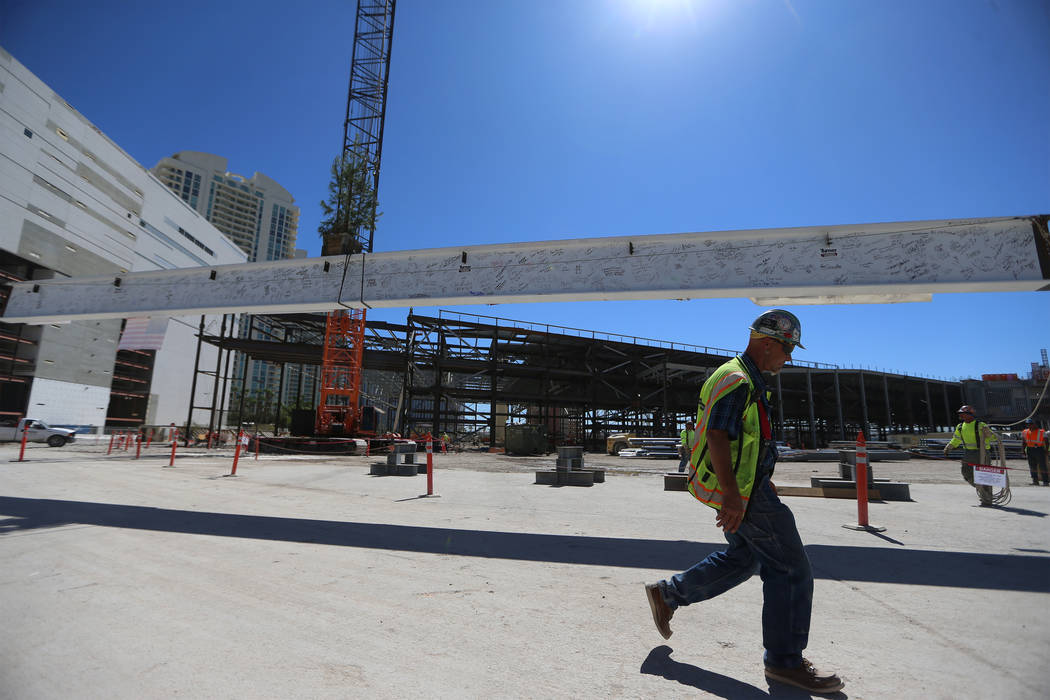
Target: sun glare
654,14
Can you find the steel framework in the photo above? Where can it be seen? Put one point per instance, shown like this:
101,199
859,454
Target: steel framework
471,376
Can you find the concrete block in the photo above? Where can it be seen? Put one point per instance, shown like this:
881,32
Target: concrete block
881,489
848,471
395,458
676,481
561,477
377,469
566,478
547,477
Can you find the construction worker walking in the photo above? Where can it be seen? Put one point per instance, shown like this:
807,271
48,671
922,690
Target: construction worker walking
732,457
975,438
1035,444
686,439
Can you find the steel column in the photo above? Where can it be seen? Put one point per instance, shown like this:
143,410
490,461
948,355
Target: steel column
193,383
864,405
215,385
780,406
838,406
929,408
494,370
812,416
244,381
889,409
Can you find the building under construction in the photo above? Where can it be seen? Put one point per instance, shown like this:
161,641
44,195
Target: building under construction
470,376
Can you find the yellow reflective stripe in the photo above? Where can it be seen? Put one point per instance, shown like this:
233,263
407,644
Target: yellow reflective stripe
724,385
716,494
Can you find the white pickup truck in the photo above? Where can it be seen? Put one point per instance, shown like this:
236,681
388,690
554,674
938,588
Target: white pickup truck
38,431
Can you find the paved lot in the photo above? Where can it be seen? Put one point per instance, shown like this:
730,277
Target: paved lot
306,577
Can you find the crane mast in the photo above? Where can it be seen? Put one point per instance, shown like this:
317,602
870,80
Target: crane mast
340,388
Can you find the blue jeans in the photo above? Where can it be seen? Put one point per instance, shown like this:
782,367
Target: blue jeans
766,543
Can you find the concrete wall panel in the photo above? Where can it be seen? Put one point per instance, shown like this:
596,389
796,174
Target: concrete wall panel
68,403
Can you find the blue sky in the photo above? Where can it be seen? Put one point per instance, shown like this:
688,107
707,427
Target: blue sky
542,119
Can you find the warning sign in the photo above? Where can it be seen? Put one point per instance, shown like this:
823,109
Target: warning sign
989,476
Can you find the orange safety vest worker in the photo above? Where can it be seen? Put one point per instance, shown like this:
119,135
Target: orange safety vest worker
1034,438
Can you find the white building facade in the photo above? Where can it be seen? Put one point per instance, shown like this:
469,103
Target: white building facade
72,203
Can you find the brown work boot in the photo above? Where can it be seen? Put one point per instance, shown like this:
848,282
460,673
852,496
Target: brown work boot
806,677
662,612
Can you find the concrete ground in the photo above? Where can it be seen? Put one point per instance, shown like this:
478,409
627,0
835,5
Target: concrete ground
304,577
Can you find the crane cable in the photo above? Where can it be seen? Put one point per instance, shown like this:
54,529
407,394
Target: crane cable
1038,402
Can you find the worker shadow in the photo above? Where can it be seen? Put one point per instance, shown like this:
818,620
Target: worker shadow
1022,511
885,538
660,663
879,564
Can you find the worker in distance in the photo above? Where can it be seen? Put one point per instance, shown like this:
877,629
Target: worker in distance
732,457
1035,441
976,439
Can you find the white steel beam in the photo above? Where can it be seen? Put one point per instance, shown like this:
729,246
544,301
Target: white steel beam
824,265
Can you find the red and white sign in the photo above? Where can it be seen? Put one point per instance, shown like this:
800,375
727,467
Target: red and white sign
989,476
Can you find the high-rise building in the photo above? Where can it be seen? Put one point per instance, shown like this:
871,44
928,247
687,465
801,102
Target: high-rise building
74,204
256,213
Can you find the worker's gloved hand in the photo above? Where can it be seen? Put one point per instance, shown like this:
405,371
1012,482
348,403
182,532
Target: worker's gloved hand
946,450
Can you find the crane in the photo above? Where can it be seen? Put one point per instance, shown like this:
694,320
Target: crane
338,411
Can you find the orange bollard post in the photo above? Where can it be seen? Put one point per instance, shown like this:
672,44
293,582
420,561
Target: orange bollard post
127,442
111,438
862,488
430,466
174,442
368,446
25,434
862,480
236,456
149,439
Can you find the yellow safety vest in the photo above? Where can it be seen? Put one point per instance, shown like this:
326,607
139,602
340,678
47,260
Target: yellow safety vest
966,435
703,482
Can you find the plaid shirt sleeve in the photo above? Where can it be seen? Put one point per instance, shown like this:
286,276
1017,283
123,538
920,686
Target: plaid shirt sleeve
728,412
